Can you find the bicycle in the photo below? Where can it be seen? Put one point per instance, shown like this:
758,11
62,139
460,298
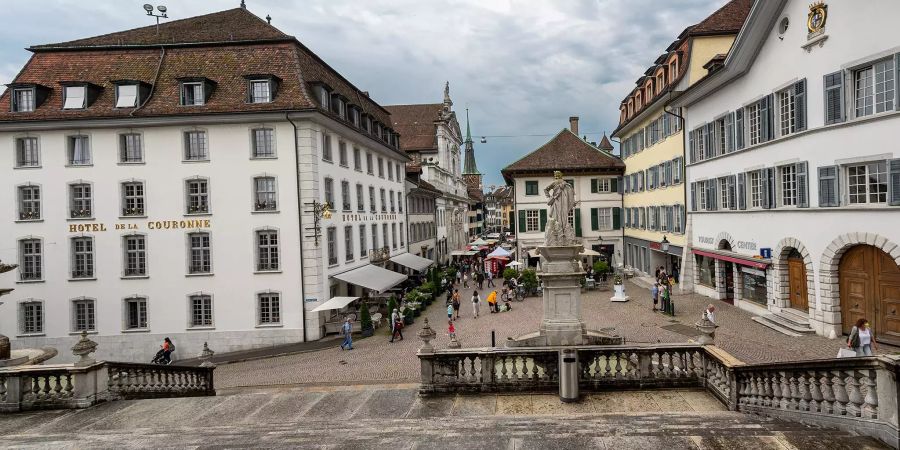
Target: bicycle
519,293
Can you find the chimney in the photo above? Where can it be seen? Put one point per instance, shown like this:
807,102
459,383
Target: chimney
573,125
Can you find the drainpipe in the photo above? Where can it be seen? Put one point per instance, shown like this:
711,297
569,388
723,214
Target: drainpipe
299,223
162,56
684,181
622,217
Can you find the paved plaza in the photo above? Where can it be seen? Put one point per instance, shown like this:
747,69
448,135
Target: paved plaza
374,360
394,417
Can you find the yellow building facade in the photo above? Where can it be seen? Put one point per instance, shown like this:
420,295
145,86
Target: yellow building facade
652,142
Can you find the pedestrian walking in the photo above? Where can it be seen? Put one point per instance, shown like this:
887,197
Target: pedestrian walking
666,298
450,311
451,330
466,281
654,294
458,276
862,339
490,278
398,329
480,279
456,303
475,301
347,331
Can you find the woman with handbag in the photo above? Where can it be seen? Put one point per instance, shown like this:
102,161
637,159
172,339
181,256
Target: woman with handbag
862,339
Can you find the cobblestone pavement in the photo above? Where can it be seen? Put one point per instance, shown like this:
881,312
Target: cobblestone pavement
375,360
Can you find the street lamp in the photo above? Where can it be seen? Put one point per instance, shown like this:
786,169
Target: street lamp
162,13
319,211
664,246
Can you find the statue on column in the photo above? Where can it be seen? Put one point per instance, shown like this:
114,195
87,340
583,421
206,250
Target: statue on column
561,197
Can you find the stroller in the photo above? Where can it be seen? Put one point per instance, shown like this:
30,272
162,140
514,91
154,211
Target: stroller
161,357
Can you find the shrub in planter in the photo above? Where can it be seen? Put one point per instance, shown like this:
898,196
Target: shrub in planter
529,279
509,273
427,288
407,316
601,267
365,320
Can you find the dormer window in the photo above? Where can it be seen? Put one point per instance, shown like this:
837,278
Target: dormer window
260,91
338,106
324,97
126,95
75,97
354,116
196,91
23,100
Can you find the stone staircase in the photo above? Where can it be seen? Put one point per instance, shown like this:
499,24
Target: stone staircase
385,417
788,321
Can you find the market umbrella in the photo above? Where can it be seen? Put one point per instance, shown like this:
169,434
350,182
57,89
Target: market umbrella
514,264
478,242
499,252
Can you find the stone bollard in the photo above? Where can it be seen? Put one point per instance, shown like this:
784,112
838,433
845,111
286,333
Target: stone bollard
83,348
206,356
454,343
426,334
707,329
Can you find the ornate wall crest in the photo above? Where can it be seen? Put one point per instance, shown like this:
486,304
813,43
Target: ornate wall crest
818,14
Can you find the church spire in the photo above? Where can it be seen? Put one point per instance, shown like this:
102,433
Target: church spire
470,168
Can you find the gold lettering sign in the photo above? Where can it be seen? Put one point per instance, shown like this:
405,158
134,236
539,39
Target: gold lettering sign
151,225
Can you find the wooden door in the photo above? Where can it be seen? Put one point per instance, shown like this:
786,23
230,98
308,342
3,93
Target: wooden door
856,286
887,292
797,285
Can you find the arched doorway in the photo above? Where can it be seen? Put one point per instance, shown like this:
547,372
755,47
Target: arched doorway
727,272
797,281
870,288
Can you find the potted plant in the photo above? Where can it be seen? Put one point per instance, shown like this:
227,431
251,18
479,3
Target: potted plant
530,280
509,273
392,305
365,320
407,316
601,267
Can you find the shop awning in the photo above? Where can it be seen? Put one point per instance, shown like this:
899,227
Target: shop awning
372,277
737,259
533,253
589,252
463,252
335,303
499,252
412,261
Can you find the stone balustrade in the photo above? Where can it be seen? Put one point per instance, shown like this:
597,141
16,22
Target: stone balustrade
67,386
855,394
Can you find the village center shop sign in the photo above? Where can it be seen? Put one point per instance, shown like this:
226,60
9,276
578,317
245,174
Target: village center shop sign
743,245
150,225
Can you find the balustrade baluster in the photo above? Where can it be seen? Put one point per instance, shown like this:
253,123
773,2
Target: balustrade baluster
3,389
57,387
854,408
607,370
503,378
785,391
754,389
69,386
776,391
841,398
827,394
795,393
744,390
870,408
767,389
815,392
619,367
803,392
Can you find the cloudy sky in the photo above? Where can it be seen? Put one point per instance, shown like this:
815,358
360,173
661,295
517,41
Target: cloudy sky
522,67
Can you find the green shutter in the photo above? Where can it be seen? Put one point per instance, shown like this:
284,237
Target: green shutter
617,218
593,185
543,219
595,225
521,221
577,222
614,185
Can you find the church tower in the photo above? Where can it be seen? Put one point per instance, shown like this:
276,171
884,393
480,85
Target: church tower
471,176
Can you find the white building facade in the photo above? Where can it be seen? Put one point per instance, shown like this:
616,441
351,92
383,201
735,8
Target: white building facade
184,211
793,171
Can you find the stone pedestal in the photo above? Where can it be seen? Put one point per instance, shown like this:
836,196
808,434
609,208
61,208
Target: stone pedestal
562,323
619,294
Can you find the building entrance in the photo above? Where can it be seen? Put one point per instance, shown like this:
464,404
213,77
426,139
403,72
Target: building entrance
870,288
797,282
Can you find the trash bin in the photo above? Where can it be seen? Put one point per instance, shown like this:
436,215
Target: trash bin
568,375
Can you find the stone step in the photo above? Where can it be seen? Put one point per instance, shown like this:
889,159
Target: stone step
790,324
798,318
775,326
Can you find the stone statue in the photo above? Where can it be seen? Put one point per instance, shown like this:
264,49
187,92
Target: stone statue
561,197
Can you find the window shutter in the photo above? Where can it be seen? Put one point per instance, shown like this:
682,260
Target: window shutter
616,185
770,102
617,218
741,191
692,147
543,219
732,201
710,140
521,221
577,222
627,183
670,218
834,97
693,196
768,187
729,133
593,185
828,186
595,224
711,194
802,185
800,104
763,120
896,81
894,181
739,129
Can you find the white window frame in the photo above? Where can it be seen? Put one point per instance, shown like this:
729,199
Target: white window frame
81,200
83,258
83,314
73,142
754,189
787,111
197,203
268,309
28,152
131,148
604,185
201,306
29,209
33,325
867,88
127,99
24,99
604,219
262,143
268,252
140,315
787,185
265,193
199,254
532,215
754,124
196,146
195,88
31,259
134,204
136,255
74,97
268,91
327,153
882,179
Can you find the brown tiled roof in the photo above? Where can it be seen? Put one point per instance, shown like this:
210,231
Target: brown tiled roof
102,60
232,25
605,144
475,193
566,152
726,20
416,125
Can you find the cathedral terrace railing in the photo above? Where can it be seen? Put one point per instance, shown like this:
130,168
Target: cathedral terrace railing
859,395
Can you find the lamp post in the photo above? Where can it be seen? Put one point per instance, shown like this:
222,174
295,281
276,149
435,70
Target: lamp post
162,14
664,246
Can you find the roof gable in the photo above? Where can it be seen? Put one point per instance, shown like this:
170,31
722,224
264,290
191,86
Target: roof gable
726,20
565,152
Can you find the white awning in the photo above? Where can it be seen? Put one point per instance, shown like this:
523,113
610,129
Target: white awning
463,252
589,252
335,303
372,277
412,261
533,253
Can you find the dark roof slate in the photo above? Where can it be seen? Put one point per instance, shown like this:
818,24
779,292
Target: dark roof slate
565,152
416,125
